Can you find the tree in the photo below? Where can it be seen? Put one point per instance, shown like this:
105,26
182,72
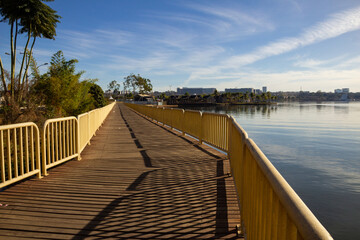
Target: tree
60,88
35,19
114,87
98,95
135,82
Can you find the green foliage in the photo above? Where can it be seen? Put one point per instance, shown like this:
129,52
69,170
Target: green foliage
136,82
32,16
114,87
163,96
35,19
98,95
60,88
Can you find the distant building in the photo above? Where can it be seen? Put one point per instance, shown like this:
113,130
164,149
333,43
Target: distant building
239,90
195,91
258,91
264,89
345,90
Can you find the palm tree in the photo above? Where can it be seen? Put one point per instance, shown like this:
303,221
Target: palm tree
34,18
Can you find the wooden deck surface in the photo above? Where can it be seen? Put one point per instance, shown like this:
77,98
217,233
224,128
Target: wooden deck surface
137,180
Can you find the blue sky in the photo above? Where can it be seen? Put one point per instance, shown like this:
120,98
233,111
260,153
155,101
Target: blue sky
282,44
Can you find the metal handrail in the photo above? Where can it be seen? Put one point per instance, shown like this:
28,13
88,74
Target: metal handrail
20,152
60,142
90,122
270,208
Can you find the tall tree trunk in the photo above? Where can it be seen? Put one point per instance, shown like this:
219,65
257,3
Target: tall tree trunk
12,76
21,83
28,63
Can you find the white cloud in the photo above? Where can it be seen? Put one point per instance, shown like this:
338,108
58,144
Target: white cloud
235,16
334,26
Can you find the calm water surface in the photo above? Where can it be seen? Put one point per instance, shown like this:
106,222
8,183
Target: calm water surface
316,147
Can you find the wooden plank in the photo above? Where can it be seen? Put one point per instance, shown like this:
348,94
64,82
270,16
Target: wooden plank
137,179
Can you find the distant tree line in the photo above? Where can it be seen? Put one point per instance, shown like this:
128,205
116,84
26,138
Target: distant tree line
216,97
315,96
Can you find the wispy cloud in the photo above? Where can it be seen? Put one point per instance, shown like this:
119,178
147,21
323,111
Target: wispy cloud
312,63
332,27
235,16
83,44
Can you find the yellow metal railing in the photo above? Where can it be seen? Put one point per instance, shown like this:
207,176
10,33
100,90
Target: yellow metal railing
270,208
90,122
192,123
20,152
62,139
60,142
215,129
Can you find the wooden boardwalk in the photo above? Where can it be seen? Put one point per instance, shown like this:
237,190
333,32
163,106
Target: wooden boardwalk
137,180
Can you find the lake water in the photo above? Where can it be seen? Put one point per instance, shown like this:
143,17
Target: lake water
316,147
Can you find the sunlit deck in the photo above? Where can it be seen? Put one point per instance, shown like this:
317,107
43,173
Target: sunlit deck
137,180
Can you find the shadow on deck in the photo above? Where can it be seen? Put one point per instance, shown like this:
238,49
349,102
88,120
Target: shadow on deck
137,180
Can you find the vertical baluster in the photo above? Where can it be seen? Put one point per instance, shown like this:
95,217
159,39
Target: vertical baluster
274,217
27,158
56,142
71,138
16,169
64,138
21,151
32,146
282,223
60,136
52,144
68,138
38,151
9,155
291,231
2,156
63,131
48,141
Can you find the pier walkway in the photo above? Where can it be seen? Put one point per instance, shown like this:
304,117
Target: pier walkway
137,180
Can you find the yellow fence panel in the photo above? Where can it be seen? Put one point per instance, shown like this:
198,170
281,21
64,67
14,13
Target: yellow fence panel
90,122
20,152
60,142
215,130
62,139
167,118
270,208
177,118
84,128
192,123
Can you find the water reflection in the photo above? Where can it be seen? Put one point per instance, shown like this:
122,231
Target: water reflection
249,110
316,147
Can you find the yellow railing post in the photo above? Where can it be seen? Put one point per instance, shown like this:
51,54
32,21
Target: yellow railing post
20,153
183,123
78,140
43,153
89,132
201,129
269,207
